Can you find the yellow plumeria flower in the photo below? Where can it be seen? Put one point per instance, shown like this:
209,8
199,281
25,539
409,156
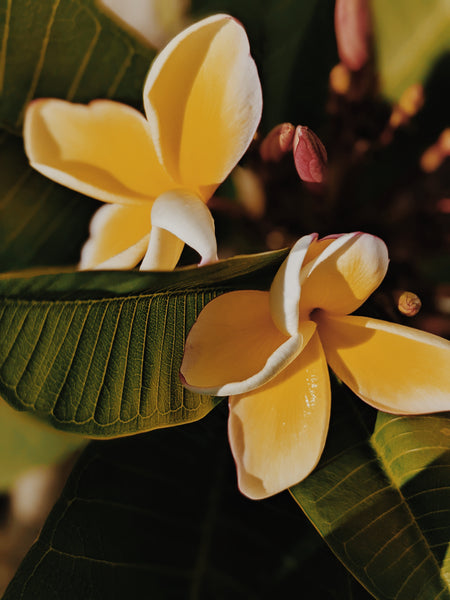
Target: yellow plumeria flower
203,103
269,351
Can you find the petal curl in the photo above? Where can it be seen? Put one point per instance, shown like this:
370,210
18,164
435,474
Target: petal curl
203,92
234,346
118,237
277,433
285,288
186,217
103,150
344,274
394,368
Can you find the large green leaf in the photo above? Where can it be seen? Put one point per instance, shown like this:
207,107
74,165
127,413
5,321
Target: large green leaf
159,516
382,501
411,35
25,442
99,353
66,49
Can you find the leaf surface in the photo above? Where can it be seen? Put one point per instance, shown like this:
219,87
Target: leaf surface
65,49
381,501
98,353
411,36
159,516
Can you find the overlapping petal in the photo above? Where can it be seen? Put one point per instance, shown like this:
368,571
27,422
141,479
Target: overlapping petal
103,150
277,432
118,237
345,272
187,217
234,346
285,289
394,368
203,101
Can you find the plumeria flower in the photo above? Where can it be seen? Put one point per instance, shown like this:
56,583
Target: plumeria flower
269,352
203,102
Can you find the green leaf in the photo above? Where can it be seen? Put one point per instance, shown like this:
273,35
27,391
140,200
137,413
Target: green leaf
41,223
25,442
382,501
99,353
410,35
65,49
159,516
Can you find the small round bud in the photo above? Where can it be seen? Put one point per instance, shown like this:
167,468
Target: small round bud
409,304
340,79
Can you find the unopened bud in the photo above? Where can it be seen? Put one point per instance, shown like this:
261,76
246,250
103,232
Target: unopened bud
310,156
340,79
409,304
353,28
277,142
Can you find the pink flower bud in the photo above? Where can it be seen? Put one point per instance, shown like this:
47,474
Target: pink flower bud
277,142
353,27
310,156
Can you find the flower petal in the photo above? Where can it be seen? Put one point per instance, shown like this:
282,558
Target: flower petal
277,433
163,251
234,346
203,92
285,288
344,274
394,368
118,237
103,150
186,217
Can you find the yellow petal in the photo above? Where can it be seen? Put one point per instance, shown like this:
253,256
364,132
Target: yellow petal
163,251
394,368
344,274
186,217
285,288
203,101
234,345
103,150
118,237
277,433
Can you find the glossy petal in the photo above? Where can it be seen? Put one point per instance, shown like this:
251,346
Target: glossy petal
188,218
394,368
118,237
277,433
344,274
103,150
234,346
203,101
285,288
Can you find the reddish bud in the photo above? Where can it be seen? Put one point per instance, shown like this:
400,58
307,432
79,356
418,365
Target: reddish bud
352,23
277,142
409,304
310,156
